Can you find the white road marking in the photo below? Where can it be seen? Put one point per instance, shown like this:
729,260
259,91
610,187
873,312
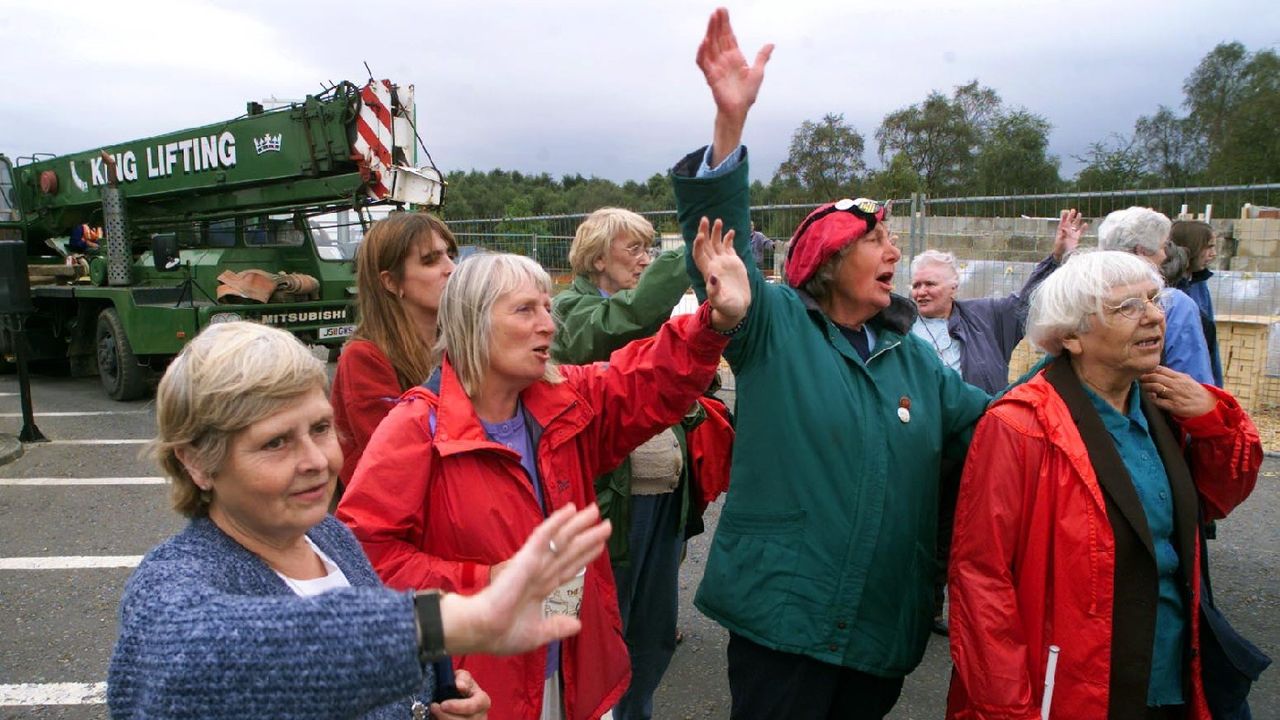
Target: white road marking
81,413
44,481
53,694
70,562
93,441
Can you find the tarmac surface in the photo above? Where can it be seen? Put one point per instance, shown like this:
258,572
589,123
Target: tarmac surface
65,551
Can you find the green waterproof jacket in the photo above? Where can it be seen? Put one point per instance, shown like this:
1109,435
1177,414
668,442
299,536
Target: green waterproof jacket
825,546
589,327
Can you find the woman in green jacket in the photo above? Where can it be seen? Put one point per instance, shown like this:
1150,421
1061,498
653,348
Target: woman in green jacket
823,560
619,295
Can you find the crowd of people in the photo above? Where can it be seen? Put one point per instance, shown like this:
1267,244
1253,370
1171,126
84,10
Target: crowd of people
512,477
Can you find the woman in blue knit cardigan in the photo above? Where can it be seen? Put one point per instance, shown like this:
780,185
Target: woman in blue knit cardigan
265,606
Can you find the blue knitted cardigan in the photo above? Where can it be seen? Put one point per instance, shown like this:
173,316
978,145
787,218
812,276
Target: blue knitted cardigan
208,630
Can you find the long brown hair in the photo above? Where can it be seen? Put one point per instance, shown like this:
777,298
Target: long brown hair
383,320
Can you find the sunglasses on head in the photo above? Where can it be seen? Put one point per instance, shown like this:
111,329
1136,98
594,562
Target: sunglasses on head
871,211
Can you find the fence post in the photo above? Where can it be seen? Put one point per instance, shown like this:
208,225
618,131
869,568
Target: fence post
533,247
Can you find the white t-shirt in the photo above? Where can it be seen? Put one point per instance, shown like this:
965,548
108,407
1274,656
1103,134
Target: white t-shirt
334,578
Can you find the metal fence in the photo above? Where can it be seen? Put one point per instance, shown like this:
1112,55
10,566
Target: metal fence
999,239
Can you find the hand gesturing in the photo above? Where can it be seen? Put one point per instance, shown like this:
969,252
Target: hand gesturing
1071,227
734,84
728,289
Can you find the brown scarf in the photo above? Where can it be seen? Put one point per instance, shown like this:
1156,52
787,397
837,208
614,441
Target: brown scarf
1136,581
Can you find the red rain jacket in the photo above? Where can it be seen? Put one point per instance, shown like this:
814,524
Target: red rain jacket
437,510
1033,563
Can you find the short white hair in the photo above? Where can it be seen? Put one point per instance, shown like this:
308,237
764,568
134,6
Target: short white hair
1061,306
937,257
1134,229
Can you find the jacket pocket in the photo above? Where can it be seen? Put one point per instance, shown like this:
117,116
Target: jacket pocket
751,572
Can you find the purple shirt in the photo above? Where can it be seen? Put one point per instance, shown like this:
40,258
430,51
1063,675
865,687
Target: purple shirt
515,434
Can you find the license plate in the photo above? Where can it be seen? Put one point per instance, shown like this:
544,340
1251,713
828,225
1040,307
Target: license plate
335,331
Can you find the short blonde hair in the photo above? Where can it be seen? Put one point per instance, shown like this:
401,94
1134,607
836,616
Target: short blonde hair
466,312
1061,306
226,379
595,234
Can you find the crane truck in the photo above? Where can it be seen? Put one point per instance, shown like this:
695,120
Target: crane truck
194,223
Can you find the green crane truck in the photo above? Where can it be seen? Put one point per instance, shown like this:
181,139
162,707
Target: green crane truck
284,194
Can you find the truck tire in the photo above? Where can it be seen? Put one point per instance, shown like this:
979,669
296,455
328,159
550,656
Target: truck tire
122,377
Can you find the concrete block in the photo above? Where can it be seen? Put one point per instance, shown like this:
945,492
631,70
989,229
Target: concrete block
1258,248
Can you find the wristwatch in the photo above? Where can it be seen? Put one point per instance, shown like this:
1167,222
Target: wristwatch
426,608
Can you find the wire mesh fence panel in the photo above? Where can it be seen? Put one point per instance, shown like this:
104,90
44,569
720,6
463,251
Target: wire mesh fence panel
997,242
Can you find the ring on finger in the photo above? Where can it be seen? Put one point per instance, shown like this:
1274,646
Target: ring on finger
551,545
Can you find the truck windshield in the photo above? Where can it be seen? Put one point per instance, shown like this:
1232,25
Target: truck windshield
8,210
338,234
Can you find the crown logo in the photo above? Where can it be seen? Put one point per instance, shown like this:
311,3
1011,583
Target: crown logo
268,143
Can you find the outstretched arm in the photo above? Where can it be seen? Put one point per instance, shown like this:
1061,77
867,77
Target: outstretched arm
734,83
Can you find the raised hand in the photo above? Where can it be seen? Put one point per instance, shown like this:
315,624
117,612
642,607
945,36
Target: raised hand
728,289
734,84
1071,227
506,617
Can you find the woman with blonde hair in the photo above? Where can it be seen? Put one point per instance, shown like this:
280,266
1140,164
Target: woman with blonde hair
619,295
401,269
461,471
264,605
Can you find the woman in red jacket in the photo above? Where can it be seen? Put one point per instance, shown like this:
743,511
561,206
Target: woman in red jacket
461,472
401,268
1078,515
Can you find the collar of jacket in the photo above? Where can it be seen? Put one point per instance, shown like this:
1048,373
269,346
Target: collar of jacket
558,411
897,317
582,284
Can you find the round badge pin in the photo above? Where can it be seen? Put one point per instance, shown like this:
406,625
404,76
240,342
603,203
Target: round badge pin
904,409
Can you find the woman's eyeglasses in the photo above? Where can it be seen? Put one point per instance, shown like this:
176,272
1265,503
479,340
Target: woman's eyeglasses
871,211
1135,307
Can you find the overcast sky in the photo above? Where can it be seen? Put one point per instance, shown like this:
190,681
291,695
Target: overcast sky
595,87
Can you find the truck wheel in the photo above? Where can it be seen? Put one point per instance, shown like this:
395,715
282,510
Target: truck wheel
122,377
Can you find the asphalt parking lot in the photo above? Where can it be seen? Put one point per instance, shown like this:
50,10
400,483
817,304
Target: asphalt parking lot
78,512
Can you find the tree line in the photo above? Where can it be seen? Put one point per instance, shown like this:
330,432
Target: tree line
968,142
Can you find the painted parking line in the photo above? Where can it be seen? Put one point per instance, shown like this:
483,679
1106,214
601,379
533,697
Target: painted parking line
45,481
53,694
92,441
70,562
78,413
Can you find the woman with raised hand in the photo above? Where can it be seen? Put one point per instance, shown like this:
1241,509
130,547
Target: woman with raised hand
460,472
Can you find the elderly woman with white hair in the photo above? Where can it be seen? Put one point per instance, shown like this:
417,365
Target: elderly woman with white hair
264,606
977,337
463,469
1079,511
1145,233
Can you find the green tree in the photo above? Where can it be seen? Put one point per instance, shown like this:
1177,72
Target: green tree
940,137
1111,165
825,157
1172,149
898,180
1014,157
